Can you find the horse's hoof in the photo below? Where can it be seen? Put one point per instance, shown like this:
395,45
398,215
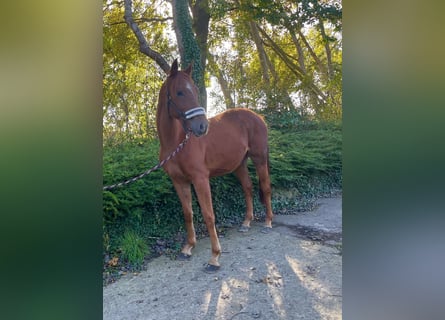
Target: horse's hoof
183,257
210,268
266,229
243,229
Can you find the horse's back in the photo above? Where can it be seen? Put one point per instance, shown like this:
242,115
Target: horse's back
241,119
238,113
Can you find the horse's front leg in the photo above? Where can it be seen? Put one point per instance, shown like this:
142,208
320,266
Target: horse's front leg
183,189
202,188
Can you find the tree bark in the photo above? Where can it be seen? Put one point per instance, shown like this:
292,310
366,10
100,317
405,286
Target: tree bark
188,46
201,20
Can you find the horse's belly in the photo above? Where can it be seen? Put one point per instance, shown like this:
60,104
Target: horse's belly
224,161
227,141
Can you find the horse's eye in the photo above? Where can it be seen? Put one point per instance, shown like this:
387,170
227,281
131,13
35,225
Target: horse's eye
180,93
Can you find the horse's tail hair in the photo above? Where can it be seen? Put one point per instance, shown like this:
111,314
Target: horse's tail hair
262,197
263,201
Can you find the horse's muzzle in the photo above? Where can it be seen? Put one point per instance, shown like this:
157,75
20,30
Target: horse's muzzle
199,126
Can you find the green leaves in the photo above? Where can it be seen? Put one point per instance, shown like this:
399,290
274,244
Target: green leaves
131,83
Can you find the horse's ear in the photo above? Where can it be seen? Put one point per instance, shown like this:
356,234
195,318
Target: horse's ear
189,68
174,68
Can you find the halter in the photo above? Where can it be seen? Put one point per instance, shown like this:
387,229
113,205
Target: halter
189,114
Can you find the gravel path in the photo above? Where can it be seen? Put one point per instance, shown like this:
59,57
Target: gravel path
294,272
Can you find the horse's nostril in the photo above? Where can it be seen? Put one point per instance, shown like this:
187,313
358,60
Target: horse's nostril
203,127
199,128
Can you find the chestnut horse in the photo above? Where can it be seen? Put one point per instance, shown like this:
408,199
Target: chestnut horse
218,146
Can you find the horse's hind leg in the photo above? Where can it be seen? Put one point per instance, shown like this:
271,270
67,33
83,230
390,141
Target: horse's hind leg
261,162
183,189
242,173
266,192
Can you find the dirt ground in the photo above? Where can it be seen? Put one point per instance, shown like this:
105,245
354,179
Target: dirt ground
294,272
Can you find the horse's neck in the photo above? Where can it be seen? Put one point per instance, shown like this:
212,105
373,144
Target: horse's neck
170,131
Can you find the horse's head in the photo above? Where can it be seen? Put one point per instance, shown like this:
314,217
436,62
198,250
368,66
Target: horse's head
183,101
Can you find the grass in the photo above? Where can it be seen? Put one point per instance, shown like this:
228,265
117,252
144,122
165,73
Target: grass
133,248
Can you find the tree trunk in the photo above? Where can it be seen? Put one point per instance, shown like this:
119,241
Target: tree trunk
188,46
299,50
222,82
201,19
261,52
327,49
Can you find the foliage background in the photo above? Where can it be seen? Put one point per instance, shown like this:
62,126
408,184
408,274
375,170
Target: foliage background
280,55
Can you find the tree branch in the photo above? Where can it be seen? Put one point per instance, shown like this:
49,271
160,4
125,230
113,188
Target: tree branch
155,19
320,65
142,20
253,27
143,45
327,49
293,67
222,82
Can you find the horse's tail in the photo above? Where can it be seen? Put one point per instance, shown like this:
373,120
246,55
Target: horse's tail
262,197
263,201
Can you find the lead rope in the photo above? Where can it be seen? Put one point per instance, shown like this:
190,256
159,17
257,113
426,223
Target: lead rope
156,167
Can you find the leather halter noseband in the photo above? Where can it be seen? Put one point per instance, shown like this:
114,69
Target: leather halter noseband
189,114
